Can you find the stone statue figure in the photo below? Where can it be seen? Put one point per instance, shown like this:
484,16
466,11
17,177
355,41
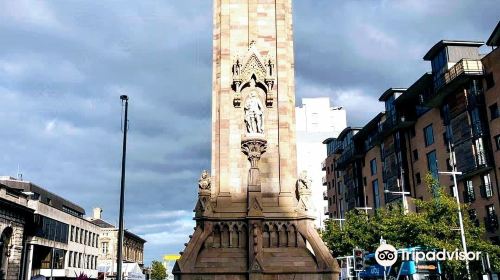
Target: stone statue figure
303,183
253,114
205,182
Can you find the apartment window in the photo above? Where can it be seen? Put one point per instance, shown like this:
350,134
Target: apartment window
469,195
104,246
418,179
494,113
432,166
49,201
486,188
71,233
428,135
473,217
373,166
490,82
491,219
497,141
376,194
415,155
70,257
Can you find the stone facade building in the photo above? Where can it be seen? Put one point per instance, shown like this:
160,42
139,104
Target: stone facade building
133,245
15,217
446,120
60,242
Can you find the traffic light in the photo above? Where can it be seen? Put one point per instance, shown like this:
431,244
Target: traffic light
359,262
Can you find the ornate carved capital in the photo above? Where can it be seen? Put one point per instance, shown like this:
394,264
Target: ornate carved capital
254,147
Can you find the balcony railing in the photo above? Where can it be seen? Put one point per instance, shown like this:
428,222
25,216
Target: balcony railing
323,165
472,164
478,129
464,66
325,195
323,181
326,212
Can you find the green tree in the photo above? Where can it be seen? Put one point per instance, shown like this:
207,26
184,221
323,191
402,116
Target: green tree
158,271
434,225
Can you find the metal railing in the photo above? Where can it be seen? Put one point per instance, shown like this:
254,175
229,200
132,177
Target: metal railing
323,165
464,66
326,212
325,195
323,180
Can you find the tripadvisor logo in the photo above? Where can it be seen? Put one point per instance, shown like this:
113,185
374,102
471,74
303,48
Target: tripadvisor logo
387,255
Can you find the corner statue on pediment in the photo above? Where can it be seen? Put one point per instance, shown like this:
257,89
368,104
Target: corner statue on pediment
303,192
204,183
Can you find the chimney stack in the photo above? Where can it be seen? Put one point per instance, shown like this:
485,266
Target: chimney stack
97,213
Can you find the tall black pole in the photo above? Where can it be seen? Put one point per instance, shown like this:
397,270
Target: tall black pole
119,259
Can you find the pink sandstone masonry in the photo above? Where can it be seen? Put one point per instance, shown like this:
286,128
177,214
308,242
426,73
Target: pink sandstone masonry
252,215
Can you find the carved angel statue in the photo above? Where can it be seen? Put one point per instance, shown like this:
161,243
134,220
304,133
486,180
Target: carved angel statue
303,183
205,182
253,114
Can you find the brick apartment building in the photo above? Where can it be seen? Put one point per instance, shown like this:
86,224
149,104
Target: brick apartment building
448,118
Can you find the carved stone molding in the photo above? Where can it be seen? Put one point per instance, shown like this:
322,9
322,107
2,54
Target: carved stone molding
253,145
253,68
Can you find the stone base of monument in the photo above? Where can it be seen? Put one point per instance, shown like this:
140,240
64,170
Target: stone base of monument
261,244
256,249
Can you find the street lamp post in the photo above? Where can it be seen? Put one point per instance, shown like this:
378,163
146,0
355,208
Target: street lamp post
119,258
460,220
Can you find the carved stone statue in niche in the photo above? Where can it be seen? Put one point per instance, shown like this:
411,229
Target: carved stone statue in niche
303,193
254,113
204,183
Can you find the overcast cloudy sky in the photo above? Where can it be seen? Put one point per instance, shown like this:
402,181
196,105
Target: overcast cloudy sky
64,64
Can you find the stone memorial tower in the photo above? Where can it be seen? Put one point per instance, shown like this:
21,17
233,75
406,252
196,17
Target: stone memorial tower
252,215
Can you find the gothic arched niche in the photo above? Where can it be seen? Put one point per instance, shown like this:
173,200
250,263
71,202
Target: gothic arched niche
253,67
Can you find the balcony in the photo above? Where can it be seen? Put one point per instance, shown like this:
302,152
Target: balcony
325,195
479,129
323,165
450,81
349,155
394,123
471,163
326,212
324,181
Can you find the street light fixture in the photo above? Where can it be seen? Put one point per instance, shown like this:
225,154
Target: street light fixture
340,221
403,196
460,219
364,208
119,258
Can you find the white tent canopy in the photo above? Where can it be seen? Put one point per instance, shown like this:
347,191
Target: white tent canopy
131,271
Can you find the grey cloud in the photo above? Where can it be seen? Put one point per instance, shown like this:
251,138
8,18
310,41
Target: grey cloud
64,64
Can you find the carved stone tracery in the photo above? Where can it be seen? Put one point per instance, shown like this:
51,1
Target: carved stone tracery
253,67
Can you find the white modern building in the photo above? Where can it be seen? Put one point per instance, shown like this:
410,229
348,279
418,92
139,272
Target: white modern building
316,121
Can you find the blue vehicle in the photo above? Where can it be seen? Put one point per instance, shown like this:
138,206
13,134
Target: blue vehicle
410,270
